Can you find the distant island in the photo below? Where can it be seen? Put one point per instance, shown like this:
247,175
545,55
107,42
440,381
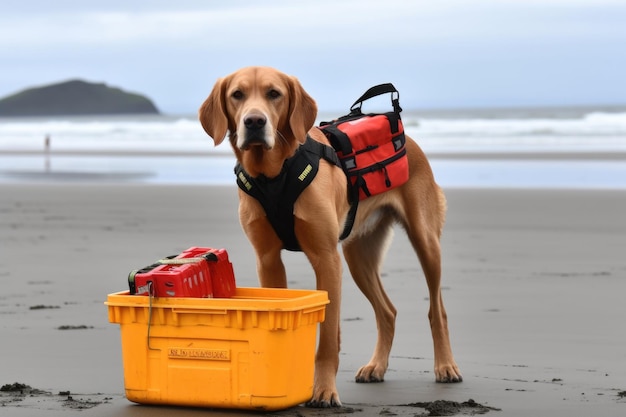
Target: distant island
74,98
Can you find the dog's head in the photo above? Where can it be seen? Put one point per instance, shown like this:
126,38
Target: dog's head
261,108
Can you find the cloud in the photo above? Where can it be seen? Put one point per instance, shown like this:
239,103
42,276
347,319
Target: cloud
308,23
449,51
327,23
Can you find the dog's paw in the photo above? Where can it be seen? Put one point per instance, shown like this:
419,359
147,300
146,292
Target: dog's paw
325,393
448,374
370,373
327,400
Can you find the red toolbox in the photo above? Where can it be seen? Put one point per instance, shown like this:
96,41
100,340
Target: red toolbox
196,272
221,272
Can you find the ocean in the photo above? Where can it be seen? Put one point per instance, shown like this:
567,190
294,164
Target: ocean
556,147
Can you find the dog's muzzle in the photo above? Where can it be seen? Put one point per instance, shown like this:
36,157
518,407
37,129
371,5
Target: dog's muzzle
255,127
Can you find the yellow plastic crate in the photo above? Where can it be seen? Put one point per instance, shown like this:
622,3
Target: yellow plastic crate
253,351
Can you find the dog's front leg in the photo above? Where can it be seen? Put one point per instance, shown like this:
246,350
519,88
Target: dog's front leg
327,267
267,246
328,277
271,270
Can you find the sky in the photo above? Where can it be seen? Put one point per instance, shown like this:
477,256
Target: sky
440,54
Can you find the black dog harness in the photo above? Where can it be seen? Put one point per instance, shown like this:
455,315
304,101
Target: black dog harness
278,195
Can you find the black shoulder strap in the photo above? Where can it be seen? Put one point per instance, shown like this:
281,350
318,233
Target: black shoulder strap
338,139
321,150
330,155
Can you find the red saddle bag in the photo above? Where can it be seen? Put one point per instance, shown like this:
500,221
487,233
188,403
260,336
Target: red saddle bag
371,147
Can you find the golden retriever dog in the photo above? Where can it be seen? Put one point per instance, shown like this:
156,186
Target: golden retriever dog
267,116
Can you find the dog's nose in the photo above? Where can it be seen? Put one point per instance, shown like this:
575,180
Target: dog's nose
254,121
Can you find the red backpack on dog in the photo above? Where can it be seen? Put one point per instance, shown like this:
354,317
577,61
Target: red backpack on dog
371,147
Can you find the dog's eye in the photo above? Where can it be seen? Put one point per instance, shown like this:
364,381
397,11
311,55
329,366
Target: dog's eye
237,95
273,94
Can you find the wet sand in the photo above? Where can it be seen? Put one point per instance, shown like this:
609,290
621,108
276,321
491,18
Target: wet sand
534,284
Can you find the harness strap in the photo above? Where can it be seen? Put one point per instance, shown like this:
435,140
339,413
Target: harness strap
278,195
330,155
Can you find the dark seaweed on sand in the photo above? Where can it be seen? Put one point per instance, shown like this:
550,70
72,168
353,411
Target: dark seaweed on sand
69,327
451,408
43,307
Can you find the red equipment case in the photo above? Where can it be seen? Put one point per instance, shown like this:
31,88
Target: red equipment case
220,269
196,272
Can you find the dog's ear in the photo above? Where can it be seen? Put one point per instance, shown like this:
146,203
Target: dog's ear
302,110
212,113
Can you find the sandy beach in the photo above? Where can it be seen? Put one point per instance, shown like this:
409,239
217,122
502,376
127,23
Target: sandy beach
534,283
